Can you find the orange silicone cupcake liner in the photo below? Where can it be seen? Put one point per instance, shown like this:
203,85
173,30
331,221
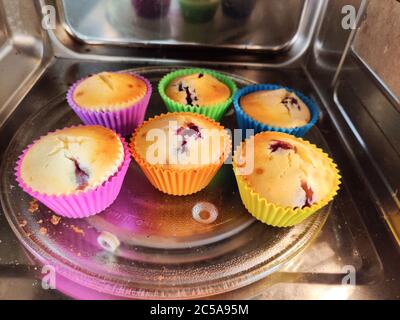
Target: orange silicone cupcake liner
180,181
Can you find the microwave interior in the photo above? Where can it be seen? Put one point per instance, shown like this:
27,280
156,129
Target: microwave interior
341,54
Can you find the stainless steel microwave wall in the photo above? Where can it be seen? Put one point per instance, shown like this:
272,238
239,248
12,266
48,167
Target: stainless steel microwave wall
268,26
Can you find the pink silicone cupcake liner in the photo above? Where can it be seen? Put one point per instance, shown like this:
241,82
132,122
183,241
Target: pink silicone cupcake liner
123,121
85,203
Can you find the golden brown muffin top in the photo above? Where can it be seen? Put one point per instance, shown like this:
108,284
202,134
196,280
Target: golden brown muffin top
198,89
72,159
278,108
181,140
285,170
109,91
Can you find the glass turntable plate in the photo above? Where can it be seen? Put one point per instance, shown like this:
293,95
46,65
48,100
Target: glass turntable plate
167,248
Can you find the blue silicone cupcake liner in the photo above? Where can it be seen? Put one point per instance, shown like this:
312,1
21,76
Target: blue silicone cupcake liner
246,122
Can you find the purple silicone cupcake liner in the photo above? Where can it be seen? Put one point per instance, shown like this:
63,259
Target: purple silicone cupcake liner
151,9
123,121
85,203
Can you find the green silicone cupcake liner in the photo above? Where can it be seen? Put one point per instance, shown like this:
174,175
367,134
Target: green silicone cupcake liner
215,111
198,11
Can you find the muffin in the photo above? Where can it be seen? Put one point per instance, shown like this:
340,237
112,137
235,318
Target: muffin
283,179
116,100
76,171
197,90
198,11
274,108
151,9
180,152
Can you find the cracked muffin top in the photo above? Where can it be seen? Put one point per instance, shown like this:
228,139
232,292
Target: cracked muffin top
198,89
285,170
279,108
180,140
72,159
109,91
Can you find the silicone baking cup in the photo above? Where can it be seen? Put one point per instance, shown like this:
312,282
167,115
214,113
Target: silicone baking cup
123,120
195,11
247,122
276,215
215,111
83,203
180,182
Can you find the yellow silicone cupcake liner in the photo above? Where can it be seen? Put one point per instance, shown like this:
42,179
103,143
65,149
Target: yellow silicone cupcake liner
180,182
276,215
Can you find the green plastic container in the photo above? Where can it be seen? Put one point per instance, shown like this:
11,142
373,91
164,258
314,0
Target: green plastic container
215,111
198,11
